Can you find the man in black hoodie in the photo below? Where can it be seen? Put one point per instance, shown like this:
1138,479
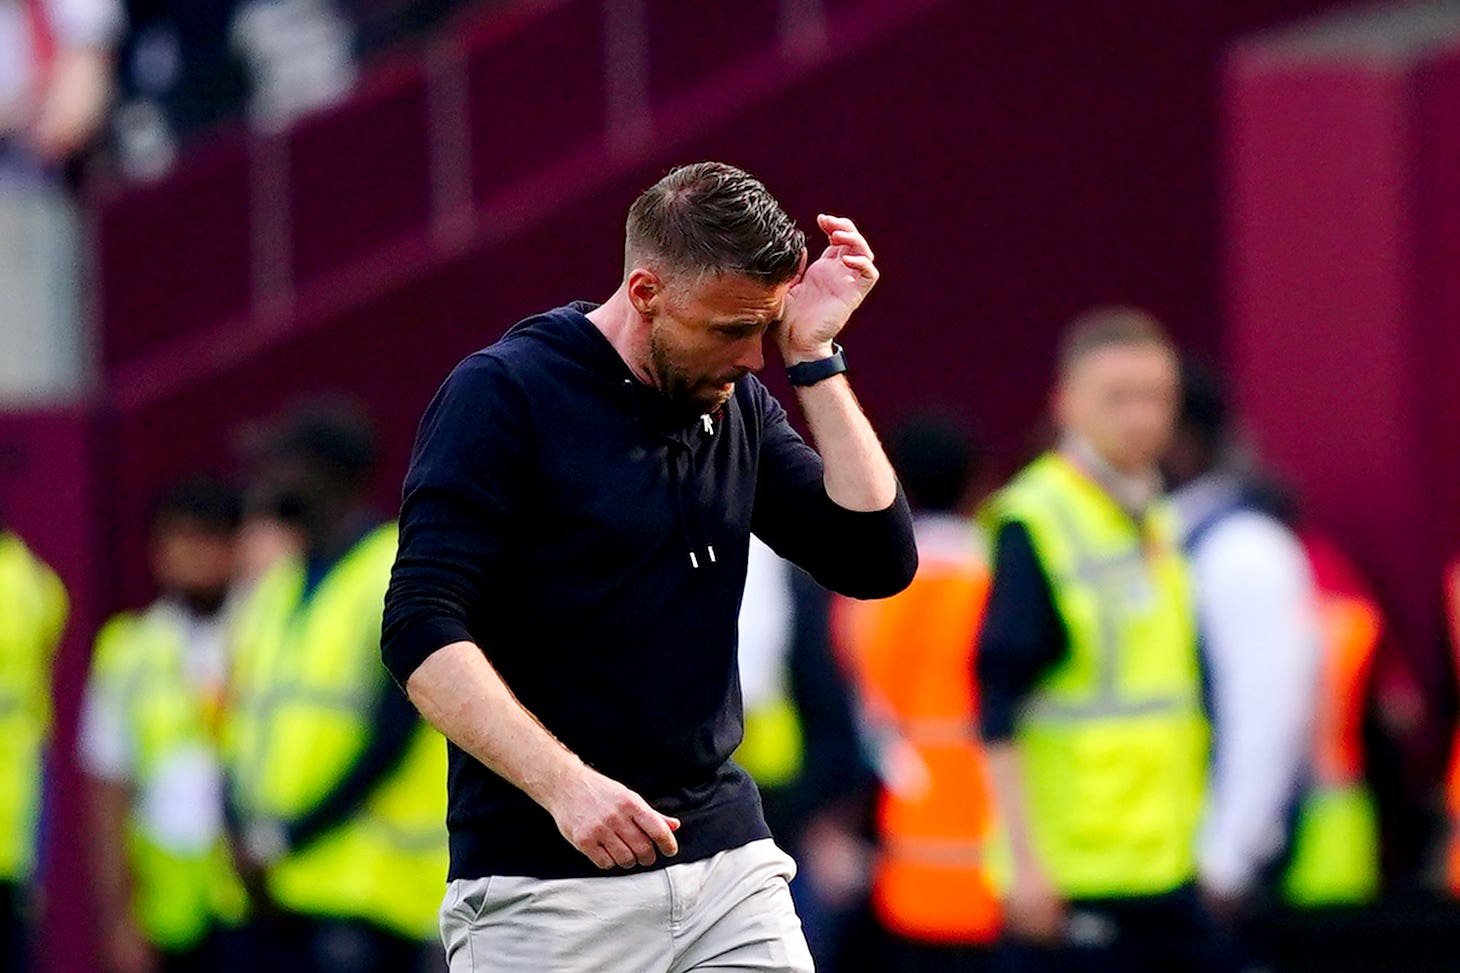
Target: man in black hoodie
573,545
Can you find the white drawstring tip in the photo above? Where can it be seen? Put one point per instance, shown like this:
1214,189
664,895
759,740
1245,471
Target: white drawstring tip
694,562
710,548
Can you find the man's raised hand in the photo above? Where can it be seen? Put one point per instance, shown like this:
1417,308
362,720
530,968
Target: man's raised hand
830,288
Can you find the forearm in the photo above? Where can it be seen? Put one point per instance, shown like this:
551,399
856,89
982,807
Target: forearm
109,805
458,691
1008,783
858,474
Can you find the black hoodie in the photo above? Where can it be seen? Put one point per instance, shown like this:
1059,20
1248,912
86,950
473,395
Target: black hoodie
559,514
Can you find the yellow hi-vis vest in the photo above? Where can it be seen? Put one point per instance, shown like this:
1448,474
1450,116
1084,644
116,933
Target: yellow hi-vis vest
182,874
1112,742
33,609
307,676
773,746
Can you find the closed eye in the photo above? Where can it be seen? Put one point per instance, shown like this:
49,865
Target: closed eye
743,329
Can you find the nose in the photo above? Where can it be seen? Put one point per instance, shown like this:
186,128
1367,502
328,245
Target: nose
752,356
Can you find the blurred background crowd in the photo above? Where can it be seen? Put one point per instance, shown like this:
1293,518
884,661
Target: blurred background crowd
241,241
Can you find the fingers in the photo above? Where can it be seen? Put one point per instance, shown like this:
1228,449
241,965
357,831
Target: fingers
599,856
627,833
639,843
660,830
842,232
633,842
618,850
862,266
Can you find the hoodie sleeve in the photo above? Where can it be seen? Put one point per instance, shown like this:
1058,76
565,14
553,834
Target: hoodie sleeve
466,476
854,553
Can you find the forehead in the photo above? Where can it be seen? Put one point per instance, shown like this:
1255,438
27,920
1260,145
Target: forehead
734,297
1125,362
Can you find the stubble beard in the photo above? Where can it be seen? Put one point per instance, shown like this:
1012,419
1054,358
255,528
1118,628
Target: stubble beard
683,390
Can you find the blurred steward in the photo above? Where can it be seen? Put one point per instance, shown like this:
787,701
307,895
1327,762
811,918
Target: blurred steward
33,609
1090,690
913,657
148,746
336,789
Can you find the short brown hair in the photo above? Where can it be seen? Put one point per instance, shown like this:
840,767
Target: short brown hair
710,217
1107,327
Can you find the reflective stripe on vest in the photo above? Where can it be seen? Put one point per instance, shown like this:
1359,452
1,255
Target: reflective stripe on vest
1108,702
181,871
32,616
307,675
1112,740
912,655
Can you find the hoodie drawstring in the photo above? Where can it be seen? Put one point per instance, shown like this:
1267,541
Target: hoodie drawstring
686,506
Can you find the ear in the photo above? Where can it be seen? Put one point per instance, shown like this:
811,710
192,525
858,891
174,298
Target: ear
645,290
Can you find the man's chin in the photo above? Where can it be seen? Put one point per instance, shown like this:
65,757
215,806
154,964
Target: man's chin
703,399
708,398
719,395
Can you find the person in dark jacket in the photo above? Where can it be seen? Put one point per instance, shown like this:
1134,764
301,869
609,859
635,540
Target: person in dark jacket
574,532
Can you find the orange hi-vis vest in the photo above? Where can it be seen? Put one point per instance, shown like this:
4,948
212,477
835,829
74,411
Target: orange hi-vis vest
1351,628
912,656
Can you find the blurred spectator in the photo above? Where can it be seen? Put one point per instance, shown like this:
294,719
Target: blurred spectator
188,65
1257,607
913,656
178,75
1288,661
300,56
335,787
55,62
33,610
55,70
1090,691
263,541
148,747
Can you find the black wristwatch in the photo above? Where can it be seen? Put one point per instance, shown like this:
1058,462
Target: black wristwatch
811,372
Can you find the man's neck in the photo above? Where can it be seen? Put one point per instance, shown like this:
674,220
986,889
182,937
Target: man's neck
1132,491
617,320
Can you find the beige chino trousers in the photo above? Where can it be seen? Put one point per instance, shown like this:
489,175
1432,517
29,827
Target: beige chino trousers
728,913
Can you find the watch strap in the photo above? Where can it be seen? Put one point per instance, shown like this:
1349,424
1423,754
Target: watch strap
811,372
